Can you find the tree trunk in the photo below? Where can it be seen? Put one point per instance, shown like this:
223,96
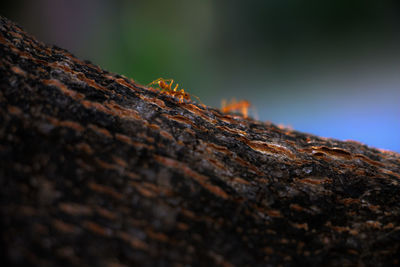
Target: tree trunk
97,170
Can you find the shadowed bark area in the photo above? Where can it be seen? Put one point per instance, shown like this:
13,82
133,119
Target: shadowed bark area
97,170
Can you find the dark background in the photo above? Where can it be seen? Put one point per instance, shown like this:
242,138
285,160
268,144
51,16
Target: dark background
326,67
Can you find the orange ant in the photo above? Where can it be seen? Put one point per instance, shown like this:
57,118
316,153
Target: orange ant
242,106
167,89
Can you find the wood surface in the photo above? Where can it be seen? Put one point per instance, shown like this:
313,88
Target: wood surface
97,170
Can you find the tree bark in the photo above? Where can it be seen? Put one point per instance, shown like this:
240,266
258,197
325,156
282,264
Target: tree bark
96,170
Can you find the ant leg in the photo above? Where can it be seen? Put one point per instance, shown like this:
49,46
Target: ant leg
155,81
244,111
168,80
158,80
170,84
201,103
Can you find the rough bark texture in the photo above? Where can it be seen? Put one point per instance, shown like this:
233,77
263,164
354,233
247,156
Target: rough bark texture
97,170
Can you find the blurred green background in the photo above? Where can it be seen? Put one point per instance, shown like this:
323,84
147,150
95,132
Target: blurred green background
326,67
